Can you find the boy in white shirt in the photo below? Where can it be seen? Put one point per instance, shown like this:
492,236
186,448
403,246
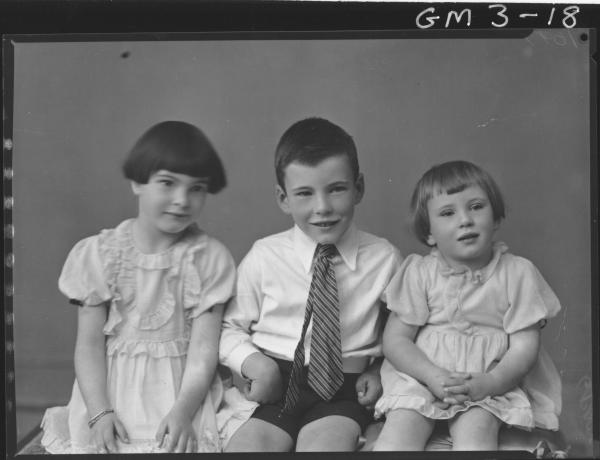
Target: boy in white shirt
269,325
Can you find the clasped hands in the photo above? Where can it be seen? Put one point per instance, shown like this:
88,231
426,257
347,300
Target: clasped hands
456,388
264,384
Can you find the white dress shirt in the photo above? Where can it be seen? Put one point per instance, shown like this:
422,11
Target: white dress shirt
267,311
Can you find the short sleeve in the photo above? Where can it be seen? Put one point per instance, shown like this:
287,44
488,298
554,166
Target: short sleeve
406,293
83,279
242,312
216,270
530,297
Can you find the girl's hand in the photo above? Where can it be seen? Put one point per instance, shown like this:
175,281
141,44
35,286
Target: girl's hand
103,434
264,383
477,388
368,388
441,381
175,433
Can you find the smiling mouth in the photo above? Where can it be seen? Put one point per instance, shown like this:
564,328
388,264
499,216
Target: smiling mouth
324,224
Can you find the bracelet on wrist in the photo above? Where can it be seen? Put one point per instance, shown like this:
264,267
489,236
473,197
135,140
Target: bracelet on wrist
98,416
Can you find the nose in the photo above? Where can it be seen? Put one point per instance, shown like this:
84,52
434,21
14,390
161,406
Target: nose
180,197
466,220
322,204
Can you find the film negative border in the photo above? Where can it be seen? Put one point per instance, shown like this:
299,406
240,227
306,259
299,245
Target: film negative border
8,259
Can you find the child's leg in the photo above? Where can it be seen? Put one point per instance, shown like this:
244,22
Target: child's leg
475,429
256,435
404,429
334,433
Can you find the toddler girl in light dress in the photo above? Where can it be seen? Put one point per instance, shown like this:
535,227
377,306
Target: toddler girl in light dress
149,294
462,342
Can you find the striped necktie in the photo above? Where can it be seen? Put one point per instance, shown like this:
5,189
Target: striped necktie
325,374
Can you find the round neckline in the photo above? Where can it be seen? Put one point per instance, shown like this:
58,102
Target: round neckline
479,275
128,231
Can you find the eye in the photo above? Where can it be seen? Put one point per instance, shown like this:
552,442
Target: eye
447,213
198,188
477,206
302,193
165,182
339,189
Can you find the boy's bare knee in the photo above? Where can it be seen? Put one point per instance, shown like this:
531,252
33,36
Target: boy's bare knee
259,436
334,433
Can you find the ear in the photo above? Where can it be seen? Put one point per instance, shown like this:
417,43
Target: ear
136,188
496,224
431,240
282,199
360,188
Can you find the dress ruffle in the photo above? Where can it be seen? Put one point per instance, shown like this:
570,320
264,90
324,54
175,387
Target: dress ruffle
168,348
233,411
402,391
121,259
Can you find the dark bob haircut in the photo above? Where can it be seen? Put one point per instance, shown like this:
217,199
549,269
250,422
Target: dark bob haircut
451,177
178,147
311,141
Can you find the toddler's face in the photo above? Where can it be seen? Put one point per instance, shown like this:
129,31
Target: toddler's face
462,226
170,202
321,198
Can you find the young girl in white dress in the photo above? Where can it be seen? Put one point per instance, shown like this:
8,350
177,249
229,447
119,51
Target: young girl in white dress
149,294
462,342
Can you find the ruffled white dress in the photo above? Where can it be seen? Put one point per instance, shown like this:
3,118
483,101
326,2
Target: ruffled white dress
153,299
466,318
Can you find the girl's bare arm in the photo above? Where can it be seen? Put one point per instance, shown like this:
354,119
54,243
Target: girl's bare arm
200,368
400,349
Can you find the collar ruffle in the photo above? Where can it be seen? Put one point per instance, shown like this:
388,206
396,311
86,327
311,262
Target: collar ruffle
479,276
121,258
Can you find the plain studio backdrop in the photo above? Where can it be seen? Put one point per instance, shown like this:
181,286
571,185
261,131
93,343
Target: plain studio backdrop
518,107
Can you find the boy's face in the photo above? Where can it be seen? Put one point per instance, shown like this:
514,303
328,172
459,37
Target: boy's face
321,198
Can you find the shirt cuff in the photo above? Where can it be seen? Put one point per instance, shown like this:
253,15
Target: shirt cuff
238,355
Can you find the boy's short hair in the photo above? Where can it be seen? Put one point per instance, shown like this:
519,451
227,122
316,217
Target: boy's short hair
450,177
311,141
178,147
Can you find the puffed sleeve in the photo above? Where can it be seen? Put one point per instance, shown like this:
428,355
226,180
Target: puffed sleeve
530,298
216,273
406,293
83,279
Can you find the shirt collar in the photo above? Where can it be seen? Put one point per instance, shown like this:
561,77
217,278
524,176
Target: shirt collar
479,276
347,246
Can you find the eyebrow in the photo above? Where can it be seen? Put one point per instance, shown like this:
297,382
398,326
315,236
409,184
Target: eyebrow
201,180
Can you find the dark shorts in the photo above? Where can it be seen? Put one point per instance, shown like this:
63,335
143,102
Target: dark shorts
311,407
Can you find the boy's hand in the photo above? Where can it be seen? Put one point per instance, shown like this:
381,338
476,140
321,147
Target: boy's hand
104,433
175,433
368,388
263,379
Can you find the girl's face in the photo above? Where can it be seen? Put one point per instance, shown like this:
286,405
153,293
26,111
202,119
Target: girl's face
462,226
170,202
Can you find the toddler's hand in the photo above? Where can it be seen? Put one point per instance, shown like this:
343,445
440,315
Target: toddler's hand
368,388
175,433
475,389
264,379
440,382
103,434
